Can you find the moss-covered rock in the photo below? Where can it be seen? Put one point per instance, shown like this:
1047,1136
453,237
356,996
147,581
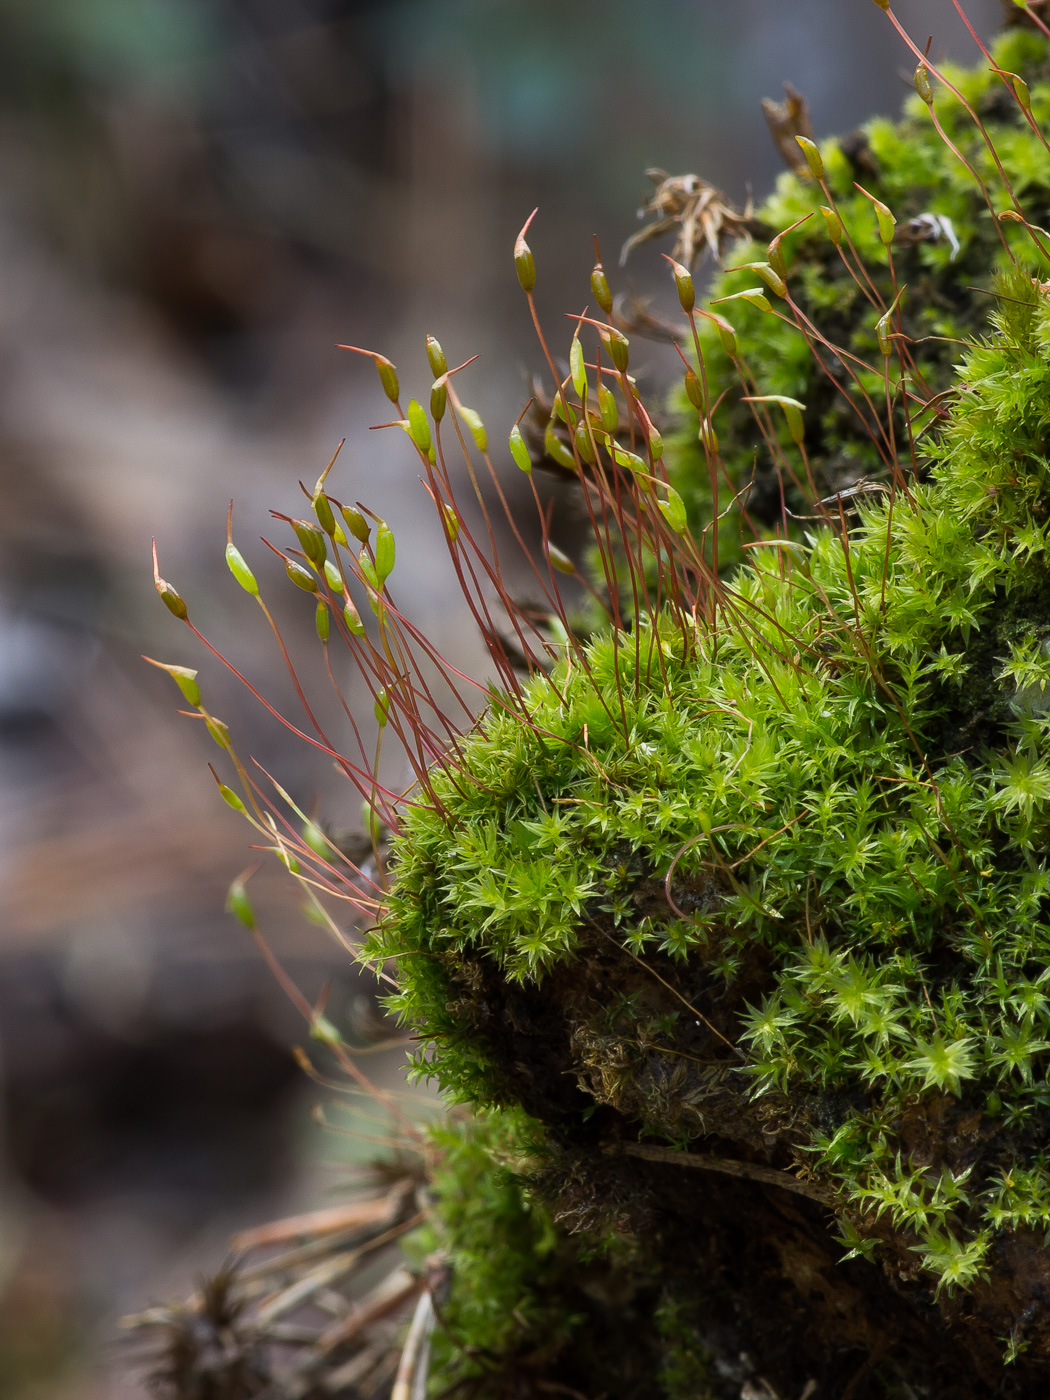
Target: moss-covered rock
751,914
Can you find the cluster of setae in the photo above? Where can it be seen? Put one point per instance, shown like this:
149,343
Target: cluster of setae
744,844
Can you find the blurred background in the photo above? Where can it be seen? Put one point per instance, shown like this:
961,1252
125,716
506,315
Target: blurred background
199,199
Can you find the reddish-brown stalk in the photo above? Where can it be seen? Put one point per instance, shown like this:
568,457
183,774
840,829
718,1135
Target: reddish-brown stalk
932,68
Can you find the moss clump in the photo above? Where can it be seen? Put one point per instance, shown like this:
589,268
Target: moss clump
784,883
525,1301
947,268
735,923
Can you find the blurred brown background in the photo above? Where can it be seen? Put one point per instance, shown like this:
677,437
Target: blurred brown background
198,200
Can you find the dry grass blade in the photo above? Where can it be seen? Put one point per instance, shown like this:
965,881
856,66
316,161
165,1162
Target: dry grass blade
320,1222
269,1329
397,1288
411,1380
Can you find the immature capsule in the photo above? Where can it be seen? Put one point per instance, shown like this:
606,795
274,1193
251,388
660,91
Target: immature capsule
240,570
172,600
302,578
887,223
323,511
577,368
775,256
684,286
524,264
608,409
561,561
618,347
384,551
417,427
352,618
388,378
436,356
356,524
600,289
811,151
312,541
238,904
475,426
833,224
519,451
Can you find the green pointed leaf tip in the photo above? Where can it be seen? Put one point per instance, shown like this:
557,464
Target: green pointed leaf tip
240,570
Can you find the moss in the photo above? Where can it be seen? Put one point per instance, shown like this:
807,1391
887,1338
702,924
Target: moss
525,1300
755,882
734,926
907,166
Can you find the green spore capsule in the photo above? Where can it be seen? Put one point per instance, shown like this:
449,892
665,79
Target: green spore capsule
312,541
239,569
519,451
302,578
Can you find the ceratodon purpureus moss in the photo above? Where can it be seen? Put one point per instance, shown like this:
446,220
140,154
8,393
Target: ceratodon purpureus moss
734,923
795,910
